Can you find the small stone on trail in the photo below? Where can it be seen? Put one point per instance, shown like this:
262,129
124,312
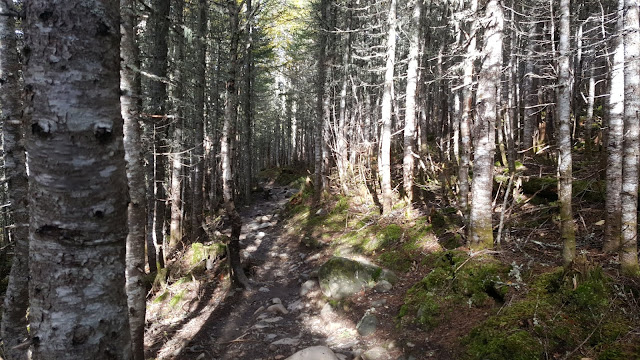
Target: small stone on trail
258,310
278,357
287,341
200,357
264,289
320,212
295,306
307,287
314,353
367,325
383,286
377,353
277,308
276,301
327,312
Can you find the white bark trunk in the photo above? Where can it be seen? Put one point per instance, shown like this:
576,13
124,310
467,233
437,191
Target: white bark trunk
78,185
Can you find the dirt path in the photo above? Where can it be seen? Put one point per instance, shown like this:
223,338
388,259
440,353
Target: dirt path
270,321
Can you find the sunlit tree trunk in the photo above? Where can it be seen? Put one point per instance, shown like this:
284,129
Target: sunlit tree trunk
130,109
613,228
176,222
320,97
530,92
481,230
385,138
410,104
467,107
16,300
563,111
631,151
78,185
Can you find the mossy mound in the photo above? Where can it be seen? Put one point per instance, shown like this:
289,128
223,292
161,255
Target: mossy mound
340,277
455,279
561,312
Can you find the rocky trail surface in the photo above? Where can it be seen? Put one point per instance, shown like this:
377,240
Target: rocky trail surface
283,316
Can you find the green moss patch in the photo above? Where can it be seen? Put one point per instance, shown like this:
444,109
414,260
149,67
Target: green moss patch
560,313
455,279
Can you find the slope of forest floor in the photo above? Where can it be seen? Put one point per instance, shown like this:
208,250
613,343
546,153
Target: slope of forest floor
515,302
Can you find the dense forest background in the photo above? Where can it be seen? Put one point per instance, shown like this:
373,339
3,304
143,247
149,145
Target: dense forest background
487,151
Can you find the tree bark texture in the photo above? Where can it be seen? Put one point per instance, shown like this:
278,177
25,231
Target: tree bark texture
612,231
467,108
481,230
16,300
410,103
78,184
563,115
320,96
197,215
387,94
226,150
137,216
631,152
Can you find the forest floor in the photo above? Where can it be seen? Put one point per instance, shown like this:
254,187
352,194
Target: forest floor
512,303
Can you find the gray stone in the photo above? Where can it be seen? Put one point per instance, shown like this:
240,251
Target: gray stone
314,353
340,277
307,286
277,308
367,325
383,286
287,341
377,353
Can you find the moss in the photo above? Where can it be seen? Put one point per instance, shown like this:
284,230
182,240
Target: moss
177,298
561,310
396,261
454,278
391,234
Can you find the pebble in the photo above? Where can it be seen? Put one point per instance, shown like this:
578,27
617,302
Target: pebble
307,286
264,289
277,308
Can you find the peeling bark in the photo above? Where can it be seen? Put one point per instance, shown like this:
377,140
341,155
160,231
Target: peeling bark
78,185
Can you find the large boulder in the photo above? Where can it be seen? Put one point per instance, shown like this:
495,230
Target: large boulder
341,277
314,353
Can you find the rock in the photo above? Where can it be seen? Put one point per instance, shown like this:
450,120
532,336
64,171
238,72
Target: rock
367,325
383,286
379,303
295,306
259,310
278,309
276,301
377,353
314,353
320,212
327,312
307,286
340,277
287,341
264,289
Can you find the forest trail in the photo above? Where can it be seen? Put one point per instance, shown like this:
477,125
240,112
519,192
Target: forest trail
284,311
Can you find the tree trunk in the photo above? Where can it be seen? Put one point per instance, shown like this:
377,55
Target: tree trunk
226,149
16,300
130,109
467,107
410,104
248,104
157,108
320,97
563,108
530,93
631,155
176,222
481,230
78,184
197,215
613,227
385,140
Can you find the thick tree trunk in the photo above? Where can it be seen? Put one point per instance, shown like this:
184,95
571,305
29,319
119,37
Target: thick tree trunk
629,199
385,140
197,215
137,216
78,184
481,230
16,300
467,107
563,111
410,104
613,227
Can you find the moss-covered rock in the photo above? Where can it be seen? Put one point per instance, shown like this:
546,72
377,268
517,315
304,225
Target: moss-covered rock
340,277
